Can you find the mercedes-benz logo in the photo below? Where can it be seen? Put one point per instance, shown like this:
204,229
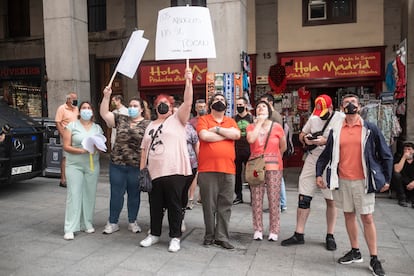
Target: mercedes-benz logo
18,145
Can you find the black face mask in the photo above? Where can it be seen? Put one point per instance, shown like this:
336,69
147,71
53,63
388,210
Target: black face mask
163,108
240,109
74,102
350,109
325,117
218,106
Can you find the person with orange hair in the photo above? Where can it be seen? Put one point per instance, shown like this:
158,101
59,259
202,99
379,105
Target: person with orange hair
164,144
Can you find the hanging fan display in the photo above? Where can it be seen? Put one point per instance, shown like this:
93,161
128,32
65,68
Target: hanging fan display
277,78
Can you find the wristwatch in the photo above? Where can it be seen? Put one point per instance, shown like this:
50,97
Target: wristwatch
217,129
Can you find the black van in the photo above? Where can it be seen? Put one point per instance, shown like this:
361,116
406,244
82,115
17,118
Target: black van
21,153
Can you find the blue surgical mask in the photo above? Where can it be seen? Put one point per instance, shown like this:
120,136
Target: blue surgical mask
86,114
133,112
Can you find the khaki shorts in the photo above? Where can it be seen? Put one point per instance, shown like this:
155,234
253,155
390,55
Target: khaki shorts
351,197
307,179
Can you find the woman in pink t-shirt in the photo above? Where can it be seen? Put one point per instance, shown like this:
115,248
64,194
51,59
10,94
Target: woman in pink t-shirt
164,144
256,135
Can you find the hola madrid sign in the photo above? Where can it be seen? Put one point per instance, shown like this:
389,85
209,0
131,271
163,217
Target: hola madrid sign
333,66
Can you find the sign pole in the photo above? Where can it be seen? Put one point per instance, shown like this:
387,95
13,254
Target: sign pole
112,79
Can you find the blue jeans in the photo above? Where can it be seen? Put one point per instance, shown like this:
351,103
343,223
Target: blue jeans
124,178
282,194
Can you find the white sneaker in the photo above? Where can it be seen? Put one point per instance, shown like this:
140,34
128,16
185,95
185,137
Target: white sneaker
174,245
134,227
68,236
272,237
183,227
149,240
90,230
258,236
110,228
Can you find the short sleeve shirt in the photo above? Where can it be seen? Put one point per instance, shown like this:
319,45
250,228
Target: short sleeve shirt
65,114
78,133
168,154
273,157
192,139
216,156
127,149
242,123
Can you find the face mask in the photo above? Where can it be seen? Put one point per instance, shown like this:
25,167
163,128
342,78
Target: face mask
113,105
350,109
202,112
163,108
218,106
86,114
74,102
240,109
325,117
133,112
263,116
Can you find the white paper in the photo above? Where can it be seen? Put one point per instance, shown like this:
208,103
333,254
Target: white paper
97,140
184,33
132,55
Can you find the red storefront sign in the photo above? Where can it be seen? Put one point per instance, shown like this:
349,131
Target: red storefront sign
20,71
335,66
170,74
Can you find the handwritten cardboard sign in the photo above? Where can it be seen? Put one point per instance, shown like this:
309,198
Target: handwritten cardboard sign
184,33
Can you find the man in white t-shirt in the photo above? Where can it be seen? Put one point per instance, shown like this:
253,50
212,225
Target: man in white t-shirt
322,114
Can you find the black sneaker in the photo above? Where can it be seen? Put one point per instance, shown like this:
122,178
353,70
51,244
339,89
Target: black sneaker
237,201
376,267
224,244
295,239
330,243
208,242
402,203
351,257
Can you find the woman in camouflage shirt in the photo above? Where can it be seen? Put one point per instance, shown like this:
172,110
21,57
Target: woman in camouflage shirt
125,160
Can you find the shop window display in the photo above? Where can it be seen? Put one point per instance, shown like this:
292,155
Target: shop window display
27,99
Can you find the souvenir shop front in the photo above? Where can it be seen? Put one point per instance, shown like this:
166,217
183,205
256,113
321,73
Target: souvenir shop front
22,86
157,77
299,77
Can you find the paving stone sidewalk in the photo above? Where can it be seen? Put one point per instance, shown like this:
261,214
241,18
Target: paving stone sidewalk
31,239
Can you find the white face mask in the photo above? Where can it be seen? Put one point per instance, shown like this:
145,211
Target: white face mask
263,116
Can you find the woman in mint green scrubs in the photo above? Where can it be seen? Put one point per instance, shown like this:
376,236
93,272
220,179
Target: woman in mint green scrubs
82,172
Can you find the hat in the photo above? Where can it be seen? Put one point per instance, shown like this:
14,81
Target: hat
322,103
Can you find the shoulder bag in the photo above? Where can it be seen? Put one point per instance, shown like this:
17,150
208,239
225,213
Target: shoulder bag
309,148
256,167
145,181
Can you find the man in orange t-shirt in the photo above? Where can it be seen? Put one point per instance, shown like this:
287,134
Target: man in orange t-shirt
216,170
66,113
360,164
